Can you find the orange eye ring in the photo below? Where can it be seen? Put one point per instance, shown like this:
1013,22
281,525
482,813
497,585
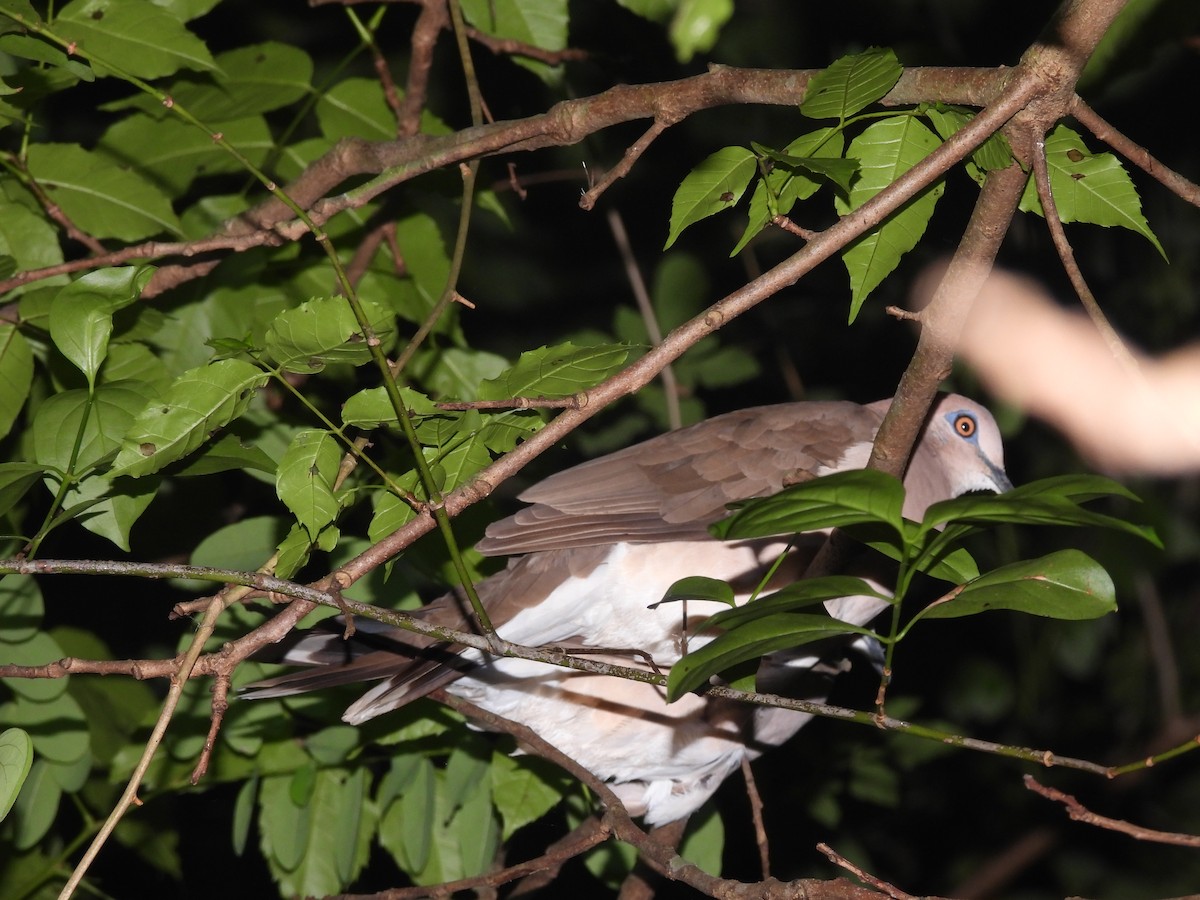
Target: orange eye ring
965,425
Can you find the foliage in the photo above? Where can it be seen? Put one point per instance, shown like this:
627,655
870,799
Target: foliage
202,361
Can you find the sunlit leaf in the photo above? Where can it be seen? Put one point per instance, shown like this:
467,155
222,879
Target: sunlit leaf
886,150
714,185
1089,187
851,83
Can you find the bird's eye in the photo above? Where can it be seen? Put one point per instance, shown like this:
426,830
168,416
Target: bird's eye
965,425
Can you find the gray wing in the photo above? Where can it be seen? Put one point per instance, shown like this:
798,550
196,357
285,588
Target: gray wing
674,486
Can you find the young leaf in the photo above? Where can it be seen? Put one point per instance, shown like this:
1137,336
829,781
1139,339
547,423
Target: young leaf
756,638
713,186
832,501
886,150
851,84
323,331
1064,585
199,402
1089,187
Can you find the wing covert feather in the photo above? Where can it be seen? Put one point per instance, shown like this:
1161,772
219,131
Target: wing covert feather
673,486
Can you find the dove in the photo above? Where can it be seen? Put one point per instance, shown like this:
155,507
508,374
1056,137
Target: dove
595,549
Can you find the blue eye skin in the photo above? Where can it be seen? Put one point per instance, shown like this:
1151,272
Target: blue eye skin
965,425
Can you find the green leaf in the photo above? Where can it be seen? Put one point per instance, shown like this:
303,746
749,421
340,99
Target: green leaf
698,587
406,829
104,417
372,408
173,152
66,72
886,150
1048,501
840,171
1089,187
785,185
36,806
36,651
557,371
313,849
304,481
524,789
20,8
253,79
199,402
851,83
356,107
31,241
755,638
696,26
16,376
139,37
21,608
992,154
81,314
323,331
788,599
832,501
58,726
1064,585
243,813
228,453
538,23
102,199
16,758
712,187
704,842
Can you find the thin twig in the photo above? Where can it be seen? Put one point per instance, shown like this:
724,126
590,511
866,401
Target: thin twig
1182,187
1079,813
433,18
862,874
1066,254
641,296
632,155
512,47
756,815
